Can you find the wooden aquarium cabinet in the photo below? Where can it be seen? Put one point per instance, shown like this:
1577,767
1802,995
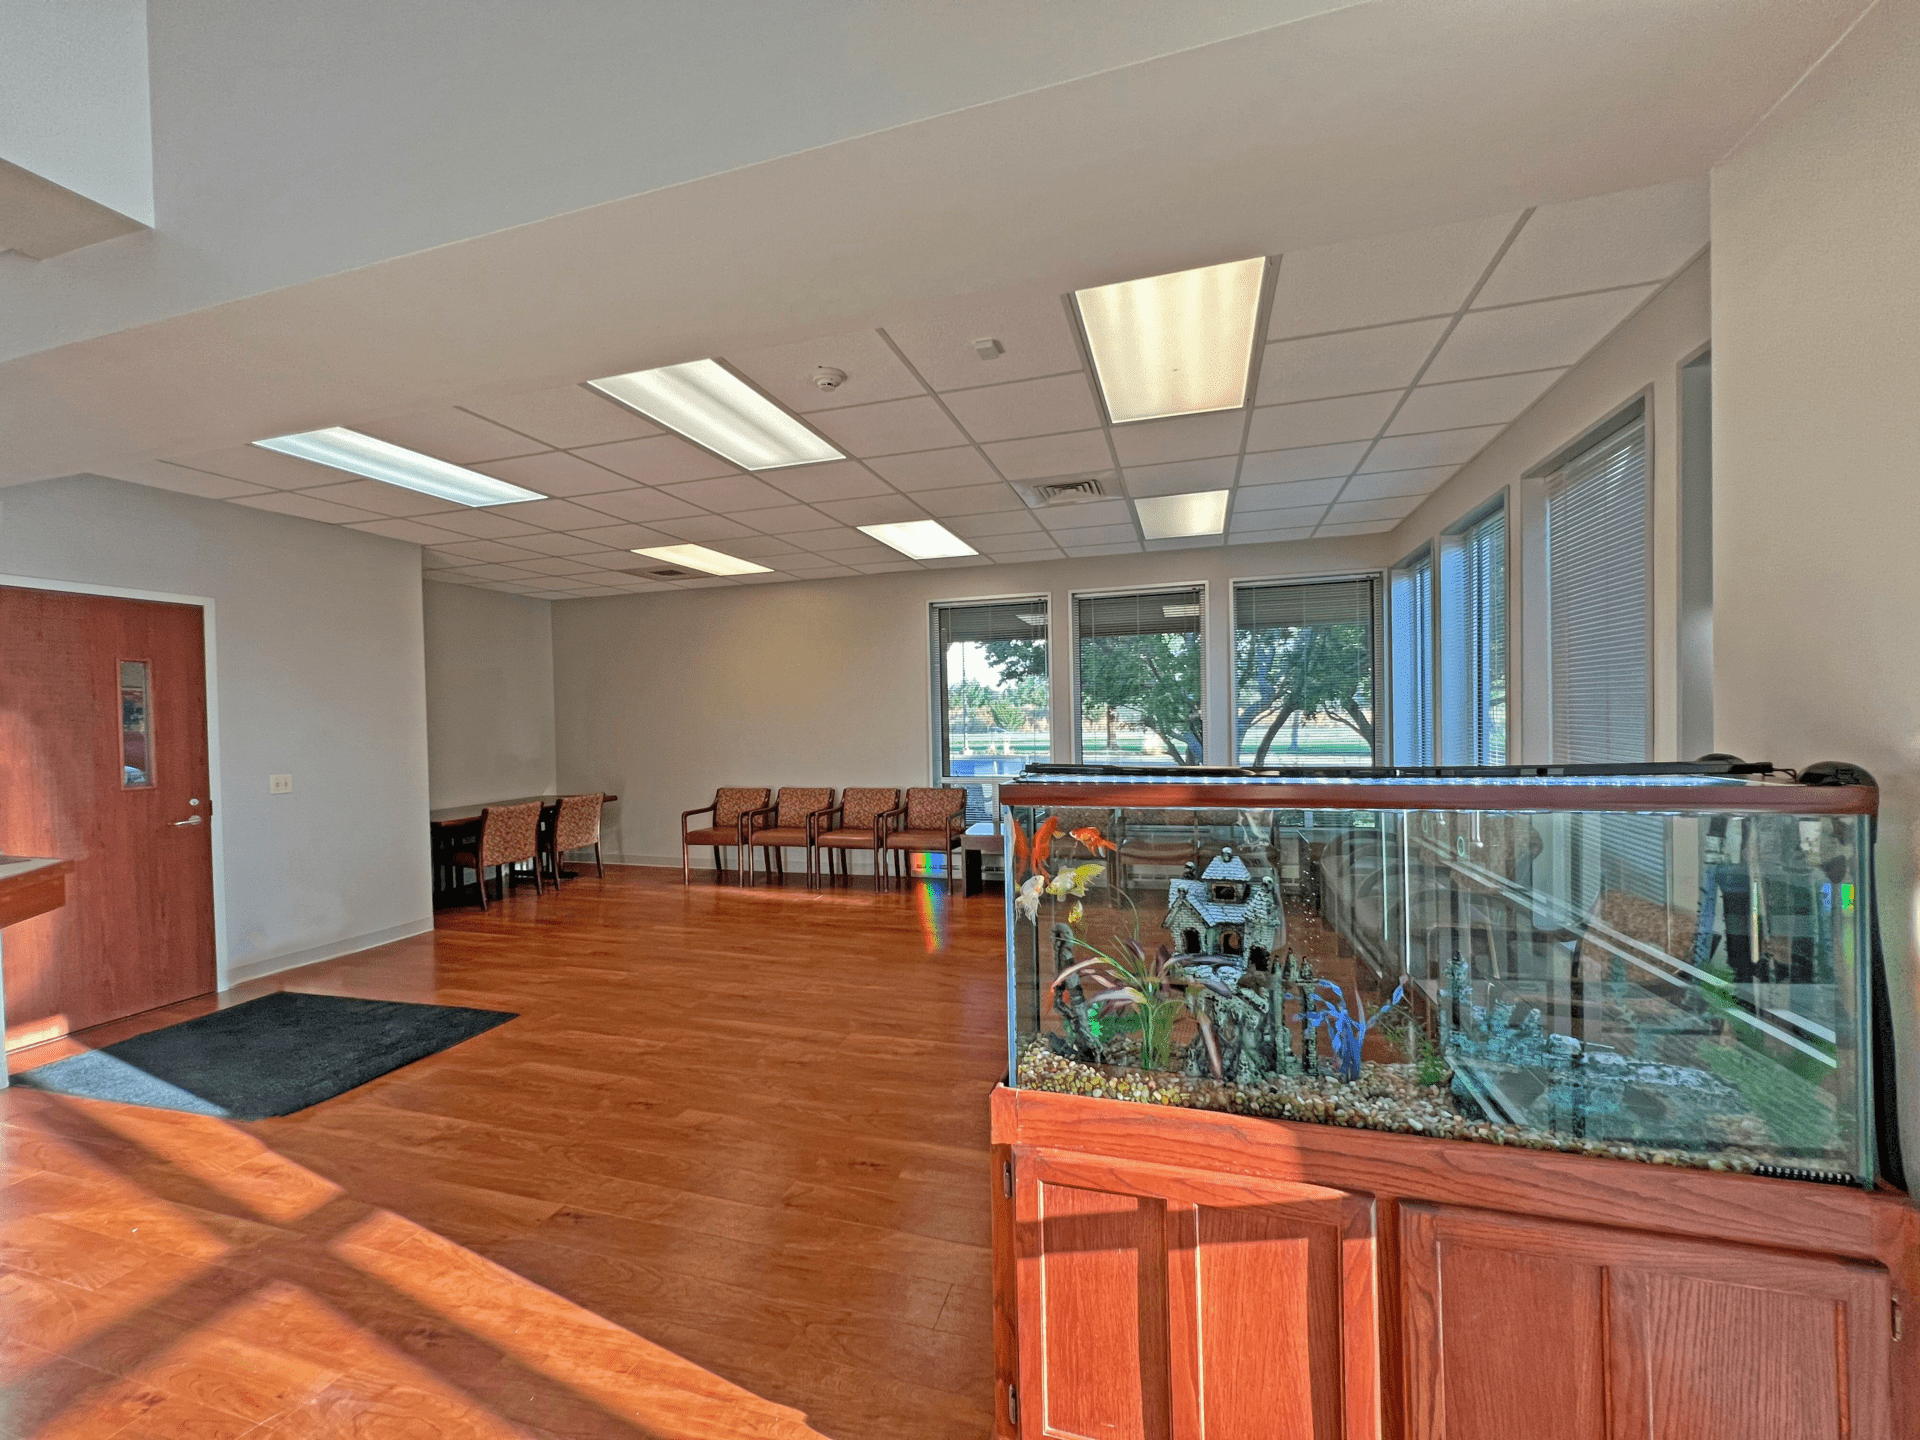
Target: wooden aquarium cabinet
1162,1272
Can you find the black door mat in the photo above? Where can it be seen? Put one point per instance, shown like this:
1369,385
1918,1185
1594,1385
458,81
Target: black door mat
271,1056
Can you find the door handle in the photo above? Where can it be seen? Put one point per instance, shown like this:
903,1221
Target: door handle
190,820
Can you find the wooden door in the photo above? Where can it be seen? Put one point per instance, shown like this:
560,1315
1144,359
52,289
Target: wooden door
1156,1302
1520,1329
103,761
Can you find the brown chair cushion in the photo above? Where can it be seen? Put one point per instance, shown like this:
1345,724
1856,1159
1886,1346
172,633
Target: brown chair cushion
922,840
796,803
848,839
930,809
578,824
863,806
714,835
730,802
509,833
781,835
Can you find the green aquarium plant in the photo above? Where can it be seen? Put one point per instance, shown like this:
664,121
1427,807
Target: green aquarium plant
1150,988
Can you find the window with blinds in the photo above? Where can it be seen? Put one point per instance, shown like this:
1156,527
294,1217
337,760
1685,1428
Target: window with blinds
1303,657
991,697
1139,670
1473,641
1597,603
1411,643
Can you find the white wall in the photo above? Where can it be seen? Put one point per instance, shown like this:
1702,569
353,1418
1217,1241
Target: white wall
489,660
1816,304
316,657
1642,357
665,697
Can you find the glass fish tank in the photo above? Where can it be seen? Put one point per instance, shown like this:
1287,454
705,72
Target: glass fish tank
1671,964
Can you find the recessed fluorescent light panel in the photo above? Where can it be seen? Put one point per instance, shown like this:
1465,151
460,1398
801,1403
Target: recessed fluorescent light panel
920,539
1169,517
699,557
1177,344
359,454
712,406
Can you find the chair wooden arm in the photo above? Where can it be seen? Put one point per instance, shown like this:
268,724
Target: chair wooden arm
880,824
756,819
686,815
814,817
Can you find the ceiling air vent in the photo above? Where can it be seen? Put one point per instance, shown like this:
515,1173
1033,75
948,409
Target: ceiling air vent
663,572
1046,493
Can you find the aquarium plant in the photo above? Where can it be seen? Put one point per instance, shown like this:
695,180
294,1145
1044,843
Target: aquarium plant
1346,1027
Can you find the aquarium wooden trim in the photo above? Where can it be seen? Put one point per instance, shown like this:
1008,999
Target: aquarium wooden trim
1333,795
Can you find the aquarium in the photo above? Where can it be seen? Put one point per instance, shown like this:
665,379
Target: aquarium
1669,964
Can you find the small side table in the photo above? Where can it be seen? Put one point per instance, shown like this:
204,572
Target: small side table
974,845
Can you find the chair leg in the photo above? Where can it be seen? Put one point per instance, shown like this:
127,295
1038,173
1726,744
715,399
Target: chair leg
719,869
686,867
598,869
480,883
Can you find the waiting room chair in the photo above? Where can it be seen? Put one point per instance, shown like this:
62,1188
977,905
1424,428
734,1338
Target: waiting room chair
575,827
509,834
788,821
731,804
853,824
931,822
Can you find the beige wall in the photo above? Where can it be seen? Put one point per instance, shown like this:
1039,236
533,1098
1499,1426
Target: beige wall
1816,303
1642,358
489,661
664,697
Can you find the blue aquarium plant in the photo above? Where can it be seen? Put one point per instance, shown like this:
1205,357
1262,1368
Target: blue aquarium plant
1346,1027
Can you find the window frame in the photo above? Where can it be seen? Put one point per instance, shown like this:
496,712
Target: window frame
1400,655
1074,597
1381,707
937,755
1450,671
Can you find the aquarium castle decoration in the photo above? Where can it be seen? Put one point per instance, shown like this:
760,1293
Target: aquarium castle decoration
1225,921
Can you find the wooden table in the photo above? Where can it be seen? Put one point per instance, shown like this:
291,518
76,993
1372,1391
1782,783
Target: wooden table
29,886
979,839
455,826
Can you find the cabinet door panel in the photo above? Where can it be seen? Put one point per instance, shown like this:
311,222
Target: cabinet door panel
1528,1327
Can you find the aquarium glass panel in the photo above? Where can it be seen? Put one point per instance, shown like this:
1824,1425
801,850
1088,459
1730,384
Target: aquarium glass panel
1677,985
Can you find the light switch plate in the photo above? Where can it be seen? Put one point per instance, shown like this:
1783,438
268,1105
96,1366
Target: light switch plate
280,784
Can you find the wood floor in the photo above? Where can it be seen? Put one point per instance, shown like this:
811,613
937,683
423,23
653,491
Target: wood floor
725,1176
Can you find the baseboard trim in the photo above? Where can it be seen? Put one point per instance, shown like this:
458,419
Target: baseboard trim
313,955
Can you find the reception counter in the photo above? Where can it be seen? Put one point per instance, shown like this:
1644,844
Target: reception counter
29,886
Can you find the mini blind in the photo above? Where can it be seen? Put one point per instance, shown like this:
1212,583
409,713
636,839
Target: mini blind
1155,612
1473,611
1412,642
1304,663
1597,605
998,620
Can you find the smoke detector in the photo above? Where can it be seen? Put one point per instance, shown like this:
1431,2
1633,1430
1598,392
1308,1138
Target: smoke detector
828,378
987,348
1049,493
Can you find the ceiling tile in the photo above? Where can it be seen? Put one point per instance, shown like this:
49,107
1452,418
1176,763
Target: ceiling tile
1390,509
1052,455
555,473
1538,336
565,417
486,550
1180,437
621,559
969,500
825,570
1397,482
1182,476
890,427
703,529
869,552
1008,522
1288,517
836,480
1315,462
493,572
661,460
887,567
1384,278
560,514
1445,447
413,531
431,559
1026,407
1625,238
1059,518
641,506
1030,322
1284,497
551,544
1022,543
450,434
936,469
623,537
557,566
261,467
837,538
306,507
1320,422
1361,527
1186,542
760,547
177,478
1461,403
1268,537
1385,358
483,524
727,493
785,372
785,520
1086,551
382,499
873,510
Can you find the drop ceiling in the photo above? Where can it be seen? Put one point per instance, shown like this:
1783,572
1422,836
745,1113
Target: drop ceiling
1386,364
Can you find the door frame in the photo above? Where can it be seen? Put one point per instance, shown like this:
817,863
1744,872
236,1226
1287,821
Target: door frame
214,797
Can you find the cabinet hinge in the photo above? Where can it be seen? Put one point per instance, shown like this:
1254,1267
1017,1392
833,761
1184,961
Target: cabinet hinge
1006,1179
1896,1318
1013,1407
